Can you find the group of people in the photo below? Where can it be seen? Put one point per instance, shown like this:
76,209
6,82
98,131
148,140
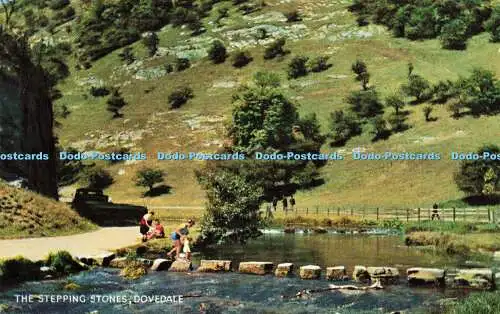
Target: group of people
151,228
285,203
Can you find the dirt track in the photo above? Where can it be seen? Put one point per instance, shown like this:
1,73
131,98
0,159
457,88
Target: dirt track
91,243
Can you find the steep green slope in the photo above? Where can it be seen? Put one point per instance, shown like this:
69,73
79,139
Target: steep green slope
327,29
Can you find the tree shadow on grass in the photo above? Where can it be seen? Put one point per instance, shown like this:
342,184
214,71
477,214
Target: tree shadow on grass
157,191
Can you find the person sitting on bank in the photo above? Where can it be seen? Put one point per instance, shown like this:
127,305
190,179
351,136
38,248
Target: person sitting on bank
145,225
157,231
183,230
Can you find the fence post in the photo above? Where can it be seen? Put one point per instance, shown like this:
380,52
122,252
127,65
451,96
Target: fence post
407,215
454,214
429,212
397,213
465,214
328,212
377,213
338,211
317,210
419,215
307,211
489,215
351,212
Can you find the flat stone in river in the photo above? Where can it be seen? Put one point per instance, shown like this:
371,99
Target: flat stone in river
479,278
180,265
215,266
257,268
335,273
386,275
310,272
426,276
284,270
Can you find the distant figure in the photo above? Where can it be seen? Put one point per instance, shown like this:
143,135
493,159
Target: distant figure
285,204
183,230
145,225
435,213
292,202
275,203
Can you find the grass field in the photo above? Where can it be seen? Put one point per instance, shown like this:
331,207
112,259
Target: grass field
198,125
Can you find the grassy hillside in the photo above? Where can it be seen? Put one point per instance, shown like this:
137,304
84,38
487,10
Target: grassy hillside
27,214
327,29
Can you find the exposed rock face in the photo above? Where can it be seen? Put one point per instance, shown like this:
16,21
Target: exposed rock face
335,273
310,272
214,266
479,278
284,269
119,262
181,265
386,275
360,274
426,276
104,258
160,264
257,268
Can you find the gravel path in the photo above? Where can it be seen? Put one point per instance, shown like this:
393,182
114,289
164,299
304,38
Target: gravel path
91,243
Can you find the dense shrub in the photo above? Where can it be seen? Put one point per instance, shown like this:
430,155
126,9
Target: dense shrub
151,42
493,24
293,16
454,35
365,103
343,127
417,87
297,67
319,64
58,4
99,178
182,64
276,49
63,263
180,96
116,103
18,269
99,91
217,52
148,177
241,58
127,55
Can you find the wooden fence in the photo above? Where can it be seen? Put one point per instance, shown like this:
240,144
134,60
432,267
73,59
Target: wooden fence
480,214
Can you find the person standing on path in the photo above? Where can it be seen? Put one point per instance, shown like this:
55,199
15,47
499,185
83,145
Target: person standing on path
285,204
292,203
145,225
275,203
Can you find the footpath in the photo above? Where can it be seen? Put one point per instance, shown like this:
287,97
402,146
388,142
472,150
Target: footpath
88,244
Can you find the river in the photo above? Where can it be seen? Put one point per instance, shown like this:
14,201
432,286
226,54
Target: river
238,293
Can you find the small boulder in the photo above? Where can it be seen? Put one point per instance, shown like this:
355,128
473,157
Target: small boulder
119,262
320,230
160,264
310,272
214,266
146,261
335,273
479,278
360,274
386,275
284,270
104,258
89,261
257,268
289,230
426,276
180,265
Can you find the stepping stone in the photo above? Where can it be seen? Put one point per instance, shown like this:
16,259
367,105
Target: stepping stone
256,268
386,275
214,266
180,265
284,270
479,278
310,272
426,276
104,258
335,273
160,264
360,274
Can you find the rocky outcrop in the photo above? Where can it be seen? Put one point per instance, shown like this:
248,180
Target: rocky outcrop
214,266
161,264
360,274
257,268
284,269
479,278
426,276
386,275
336,273
310,272
181,265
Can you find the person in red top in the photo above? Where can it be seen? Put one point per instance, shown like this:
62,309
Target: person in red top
158,231
145,225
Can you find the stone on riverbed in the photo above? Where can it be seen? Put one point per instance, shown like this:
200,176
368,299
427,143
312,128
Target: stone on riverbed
89,261
480,278
289,230
386,275
104,258
119,262
320,230
284,270
257,268
160,264
335,273
214,266
310,272
426,276
360,274
181,265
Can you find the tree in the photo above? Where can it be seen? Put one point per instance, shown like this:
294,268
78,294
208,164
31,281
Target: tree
493,24
379,128
149,177
319,64
365,103
99,178
362,75
297,67
417,87
275,49
454,35
395,101
116,103
343,127
479,177
127,55
397,122
480,92
35,87
217,52
151,42
427,113
241,59
180,96
232,213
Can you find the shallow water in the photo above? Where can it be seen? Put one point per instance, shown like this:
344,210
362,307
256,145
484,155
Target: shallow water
239,293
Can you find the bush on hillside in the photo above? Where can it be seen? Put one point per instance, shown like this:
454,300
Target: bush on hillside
98,178
217,52
127,55
58,4
319,64
365,103
276,49
149,177
151,42
297,67
293,16
343,127
241,59
454,35
99,91
180,96
493,24
115,103
417,87
182,64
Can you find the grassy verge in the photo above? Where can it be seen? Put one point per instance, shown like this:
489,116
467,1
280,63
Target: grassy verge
27,214
480,303
455,243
